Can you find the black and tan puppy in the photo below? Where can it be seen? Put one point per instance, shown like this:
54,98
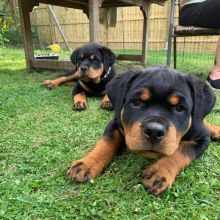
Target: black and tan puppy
93,71
159,113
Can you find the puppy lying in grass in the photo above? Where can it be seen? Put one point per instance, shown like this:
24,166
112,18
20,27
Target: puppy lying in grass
159,113
94,69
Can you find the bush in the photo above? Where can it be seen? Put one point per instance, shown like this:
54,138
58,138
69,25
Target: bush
9,32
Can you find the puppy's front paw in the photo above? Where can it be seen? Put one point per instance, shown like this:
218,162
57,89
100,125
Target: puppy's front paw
84,170
157,179
215,133
49,84
106,104
79,106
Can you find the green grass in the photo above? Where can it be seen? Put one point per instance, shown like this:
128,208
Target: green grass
41,135
197,63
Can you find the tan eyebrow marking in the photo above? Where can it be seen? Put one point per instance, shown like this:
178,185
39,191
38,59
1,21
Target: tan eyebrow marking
173,99
145,95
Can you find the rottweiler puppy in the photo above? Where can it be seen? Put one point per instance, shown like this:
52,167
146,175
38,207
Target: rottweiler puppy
93,70
159,113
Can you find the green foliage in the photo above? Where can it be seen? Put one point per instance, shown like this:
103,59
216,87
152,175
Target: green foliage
41,135
36,41
10,34
4,27
9,31
14,35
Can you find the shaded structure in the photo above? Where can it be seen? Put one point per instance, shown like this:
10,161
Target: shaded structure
91,8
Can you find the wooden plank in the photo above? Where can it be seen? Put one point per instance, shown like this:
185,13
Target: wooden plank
82,4
146,14
94,20
52,64
26,31
67,4
133,2
115,4
130,57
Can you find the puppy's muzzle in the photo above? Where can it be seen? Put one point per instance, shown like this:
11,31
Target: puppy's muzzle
154,131
84,69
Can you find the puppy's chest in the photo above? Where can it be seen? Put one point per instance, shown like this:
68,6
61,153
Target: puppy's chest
96,88
93,88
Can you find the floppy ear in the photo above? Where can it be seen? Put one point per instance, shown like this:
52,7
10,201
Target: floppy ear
74,56
117,89
109,57
203,101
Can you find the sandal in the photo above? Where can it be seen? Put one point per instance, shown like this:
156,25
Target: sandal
214,84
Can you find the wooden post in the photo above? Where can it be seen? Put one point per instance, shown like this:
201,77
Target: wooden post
170,31
24,8
146,13
94,20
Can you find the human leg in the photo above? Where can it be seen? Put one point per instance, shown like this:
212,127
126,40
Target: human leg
205,14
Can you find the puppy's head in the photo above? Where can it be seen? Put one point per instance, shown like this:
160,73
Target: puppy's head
92,60
157,107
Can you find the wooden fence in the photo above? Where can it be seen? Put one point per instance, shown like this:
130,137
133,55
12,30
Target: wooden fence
126,35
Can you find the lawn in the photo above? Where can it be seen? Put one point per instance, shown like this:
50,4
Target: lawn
40,136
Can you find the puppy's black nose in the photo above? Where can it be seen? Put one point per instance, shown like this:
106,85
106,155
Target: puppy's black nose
84,69
154,132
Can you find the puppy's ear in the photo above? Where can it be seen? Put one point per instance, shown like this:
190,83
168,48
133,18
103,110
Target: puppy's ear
203,101
109,57
117,89
74,57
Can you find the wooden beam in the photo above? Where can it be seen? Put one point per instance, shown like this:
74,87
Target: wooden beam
52,64
94,20
133,2
67,4
129,57
82,4
24,6
146,13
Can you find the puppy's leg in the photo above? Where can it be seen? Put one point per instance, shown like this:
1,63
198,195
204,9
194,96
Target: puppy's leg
67,77
106,104
214,131
79,98
79,101
160,176
98,159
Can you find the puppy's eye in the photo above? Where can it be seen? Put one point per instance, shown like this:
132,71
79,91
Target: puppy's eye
136,102
179,108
